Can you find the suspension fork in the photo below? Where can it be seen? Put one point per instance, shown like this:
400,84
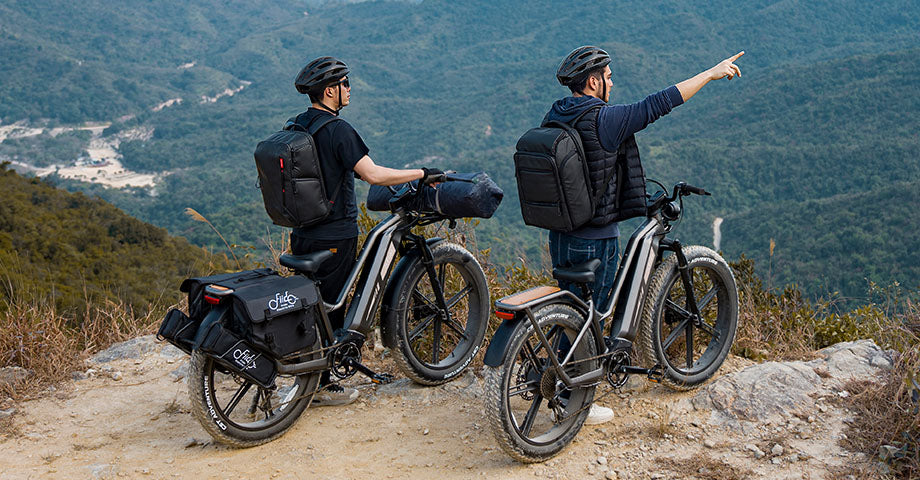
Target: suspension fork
441,303
684,269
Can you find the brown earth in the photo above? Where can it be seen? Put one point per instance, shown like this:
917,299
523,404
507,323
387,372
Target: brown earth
139,426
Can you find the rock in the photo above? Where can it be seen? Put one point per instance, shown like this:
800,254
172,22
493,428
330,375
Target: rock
887,452
170,351
758,453
761,392
11,375
611,475
180,373
133,348
116,376
776,461
602,460
7,413
777,450
709,443
777,391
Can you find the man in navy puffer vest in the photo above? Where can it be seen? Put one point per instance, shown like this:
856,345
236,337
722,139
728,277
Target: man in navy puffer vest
608,135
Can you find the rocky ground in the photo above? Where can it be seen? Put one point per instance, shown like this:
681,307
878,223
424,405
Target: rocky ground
128,416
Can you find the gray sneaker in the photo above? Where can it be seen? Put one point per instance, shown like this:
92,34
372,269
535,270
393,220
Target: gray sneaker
334,394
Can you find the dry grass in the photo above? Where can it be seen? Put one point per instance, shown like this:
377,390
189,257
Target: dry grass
38,338
703,467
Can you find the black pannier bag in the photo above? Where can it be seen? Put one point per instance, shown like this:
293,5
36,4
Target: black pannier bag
290,176
479,197
197,307
179,330
276,314
231,351
554,186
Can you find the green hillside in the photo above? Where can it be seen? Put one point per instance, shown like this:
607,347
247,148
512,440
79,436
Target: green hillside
83,250
841,242
827,105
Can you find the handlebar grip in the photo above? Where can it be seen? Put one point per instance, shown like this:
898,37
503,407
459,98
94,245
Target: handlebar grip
695,190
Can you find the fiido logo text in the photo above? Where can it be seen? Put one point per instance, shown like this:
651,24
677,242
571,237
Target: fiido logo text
244,358
282,301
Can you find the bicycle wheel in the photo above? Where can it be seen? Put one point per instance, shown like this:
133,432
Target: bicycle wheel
689,349
432,349
239,413
531,413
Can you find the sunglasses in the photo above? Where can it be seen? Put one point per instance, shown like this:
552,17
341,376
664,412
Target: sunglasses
344,82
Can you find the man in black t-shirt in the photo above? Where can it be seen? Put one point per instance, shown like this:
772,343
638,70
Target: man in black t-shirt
342,154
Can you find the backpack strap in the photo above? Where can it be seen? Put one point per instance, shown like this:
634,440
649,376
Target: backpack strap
576,137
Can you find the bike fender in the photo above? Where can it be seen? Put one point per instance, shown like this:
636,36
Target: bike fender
389,294
215,315
495,354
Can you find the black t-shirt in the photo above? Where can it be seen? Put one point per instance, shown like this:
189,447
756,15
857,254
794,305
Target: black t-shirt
339,148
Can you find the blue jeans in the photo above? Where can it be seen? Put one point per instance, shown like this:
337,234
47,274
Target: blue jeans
566,250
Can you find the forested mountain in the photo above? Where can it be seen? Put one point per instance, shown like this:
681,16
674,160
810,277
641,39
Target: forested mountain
827,107
83,250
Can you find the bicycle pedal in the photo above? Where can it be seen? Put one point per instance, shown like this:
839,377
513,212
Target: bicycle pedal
655,374
382,378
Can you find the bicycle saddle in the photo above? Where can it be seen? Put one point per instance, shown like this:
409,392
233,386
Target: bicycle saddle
580,273
307,263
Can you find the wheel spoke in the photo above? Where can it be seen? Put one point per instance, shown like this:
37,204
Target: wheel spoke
422,298
459,296
531,355
701,305
673,335
707,328
689,345
442,274
436,340
522,388
455,326
531,415
676,308
240,392
417,331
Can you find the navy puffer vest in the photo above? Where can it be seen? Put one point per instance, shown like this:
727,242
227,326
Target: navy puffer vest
624,196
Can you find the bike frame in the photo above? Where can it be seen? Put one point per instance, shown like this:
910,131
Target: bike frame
643,252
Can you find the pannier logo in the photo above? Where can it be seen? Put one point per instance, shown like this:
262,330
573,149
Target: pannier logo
282,302
245,359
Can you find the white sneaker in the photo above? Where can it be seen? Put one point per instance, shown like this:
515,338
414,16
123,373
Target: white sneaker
598,414
333,395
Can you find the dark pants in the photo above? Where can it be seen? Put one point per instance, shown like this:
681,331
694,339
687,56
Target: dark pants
333,273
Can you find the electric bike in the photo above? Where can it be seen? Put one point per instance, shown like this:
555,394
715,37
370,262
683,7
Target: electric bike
434,310
555,347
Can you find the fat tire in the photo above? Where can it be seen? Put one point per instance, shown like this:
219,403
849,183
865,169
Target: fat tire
496,387
397,329
665,278
201,368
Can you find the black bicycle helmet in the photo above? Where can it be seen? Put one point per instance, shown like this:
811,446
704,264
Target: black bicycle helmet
581,61
319,73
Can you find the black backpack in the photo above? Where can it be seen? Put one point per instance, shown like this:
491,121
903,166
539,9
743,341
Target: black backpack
554,186
290,176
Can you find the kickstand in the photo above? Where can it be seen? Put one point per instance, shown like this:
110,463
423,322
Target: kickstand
378,378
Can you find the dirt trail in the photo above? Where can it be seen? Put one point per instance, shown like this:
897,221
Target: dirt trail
139,426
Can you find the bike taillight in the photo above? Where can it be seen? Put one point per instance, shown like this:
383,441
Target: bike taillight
504,315
213,294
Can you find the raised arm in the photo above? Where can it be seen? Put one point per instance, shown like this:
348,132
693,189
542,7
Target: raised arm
725,68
